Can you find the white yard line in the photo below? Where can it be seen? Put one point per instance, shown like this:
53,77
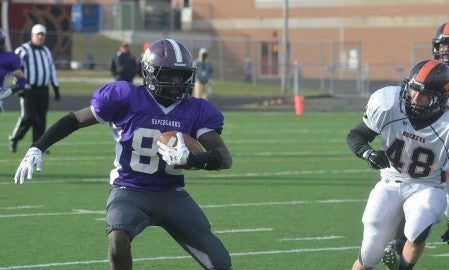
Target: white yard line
102,212
21,207
312,238
221,175
244,230
166,258
253,253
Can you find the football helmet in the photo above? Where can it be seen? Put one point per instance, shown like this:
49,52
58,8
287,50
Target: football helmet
441,35
160,62
431,78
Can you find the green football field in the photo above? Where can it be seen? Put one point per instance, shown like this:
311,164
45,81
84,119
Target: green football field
293,199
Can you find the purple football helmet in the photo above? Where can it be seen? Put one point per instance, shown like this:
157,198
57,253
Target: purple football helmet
160,62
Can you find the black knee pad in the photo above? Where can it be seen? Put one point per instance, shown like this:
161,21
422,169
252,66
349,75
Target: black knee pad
423,236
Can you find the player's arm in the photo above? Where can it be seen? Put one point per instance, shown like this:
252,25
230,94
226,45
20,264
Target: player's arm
64,127
358,141
359,138
58,131
217,153
21,84
216,157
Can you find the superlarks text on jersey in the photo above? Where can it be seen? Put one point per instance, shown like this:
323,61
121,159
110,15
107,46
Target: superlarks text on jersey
164,122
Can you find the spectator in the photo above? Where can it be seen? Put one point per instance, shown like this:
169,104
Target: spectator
123,64
40,70
248,68
204,73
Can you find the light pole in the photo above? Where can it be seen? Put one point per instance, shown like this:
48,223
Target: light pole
285,51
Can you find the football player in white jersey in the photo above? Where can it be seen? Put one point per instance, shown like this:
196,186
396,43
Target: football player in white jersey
414,134
440,51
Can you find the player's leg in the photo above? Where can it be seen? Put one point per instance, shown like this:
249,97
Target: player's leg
187,224
24,121
420,219
399,239
379,219
119,250
392,252
125,218
41,105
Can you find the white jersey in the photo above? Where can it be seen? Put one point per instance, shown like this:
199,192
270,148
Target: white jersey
415,155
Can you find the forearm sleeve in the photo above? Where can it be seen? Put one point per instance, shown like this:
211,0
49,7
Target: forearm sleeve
359,138
210,160
61,129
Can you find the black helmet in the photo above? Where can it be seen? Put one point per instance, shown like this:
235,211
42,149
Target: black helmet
441,35
163,57
431,78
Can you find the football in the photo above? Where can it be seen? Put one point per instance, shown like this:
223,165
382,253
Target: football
169,138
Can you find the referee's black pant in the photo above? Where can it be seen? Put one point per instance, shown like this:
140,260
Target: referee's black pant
33,113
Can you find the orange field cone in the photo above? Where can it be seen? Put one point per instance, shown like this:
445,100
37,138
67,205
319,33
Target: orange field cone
299,106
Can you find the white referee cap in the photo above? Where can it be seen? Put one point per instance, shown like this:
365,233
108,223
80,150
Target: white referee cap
38,28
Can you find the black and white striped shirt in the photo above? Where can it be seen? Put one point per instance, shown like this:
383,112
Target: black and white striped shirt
38,65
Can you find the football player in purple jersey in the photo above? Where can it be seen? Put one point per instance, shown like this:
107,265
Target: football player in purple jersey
9,66
440,51
147,184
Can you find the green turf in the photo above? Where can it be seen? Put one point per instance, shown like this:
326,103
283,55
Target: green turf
293,199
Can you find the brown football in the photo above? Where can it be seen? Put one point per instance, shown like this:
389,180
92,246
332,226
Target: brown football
169,138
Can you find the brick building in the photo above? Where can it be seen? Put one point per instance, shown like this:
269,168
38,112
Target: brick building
339,39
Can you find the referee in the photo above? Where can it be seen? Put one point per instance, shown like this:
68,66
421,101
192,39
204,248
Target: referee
39,69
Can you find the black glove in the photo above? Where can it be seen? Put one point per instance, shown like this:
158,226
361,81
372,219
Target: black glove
22,93
57,95
445,235
376,159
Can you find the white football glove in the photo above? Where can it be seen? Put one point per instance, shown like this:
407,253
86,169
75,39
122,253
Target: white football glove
5,93
32,158
174,155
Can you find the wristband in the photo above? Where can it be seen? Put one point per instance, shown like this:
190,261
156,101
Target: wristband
210,160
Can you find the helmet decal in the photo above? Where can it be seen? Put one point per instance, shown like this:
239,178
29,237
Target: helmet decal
177,50
445,31
425,70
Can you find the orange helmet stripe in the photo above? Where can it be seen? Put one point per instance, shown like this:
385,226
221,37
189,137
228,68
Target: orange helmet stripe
425,70
446,29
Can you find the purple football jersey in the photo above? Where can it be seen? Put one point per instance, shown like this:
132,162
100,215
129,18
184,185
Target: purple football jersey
9,62
137,121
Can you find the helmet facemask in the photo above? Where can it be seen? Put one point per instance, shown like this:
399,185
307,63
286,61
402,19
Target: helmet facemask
436,100
158,81
442,55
